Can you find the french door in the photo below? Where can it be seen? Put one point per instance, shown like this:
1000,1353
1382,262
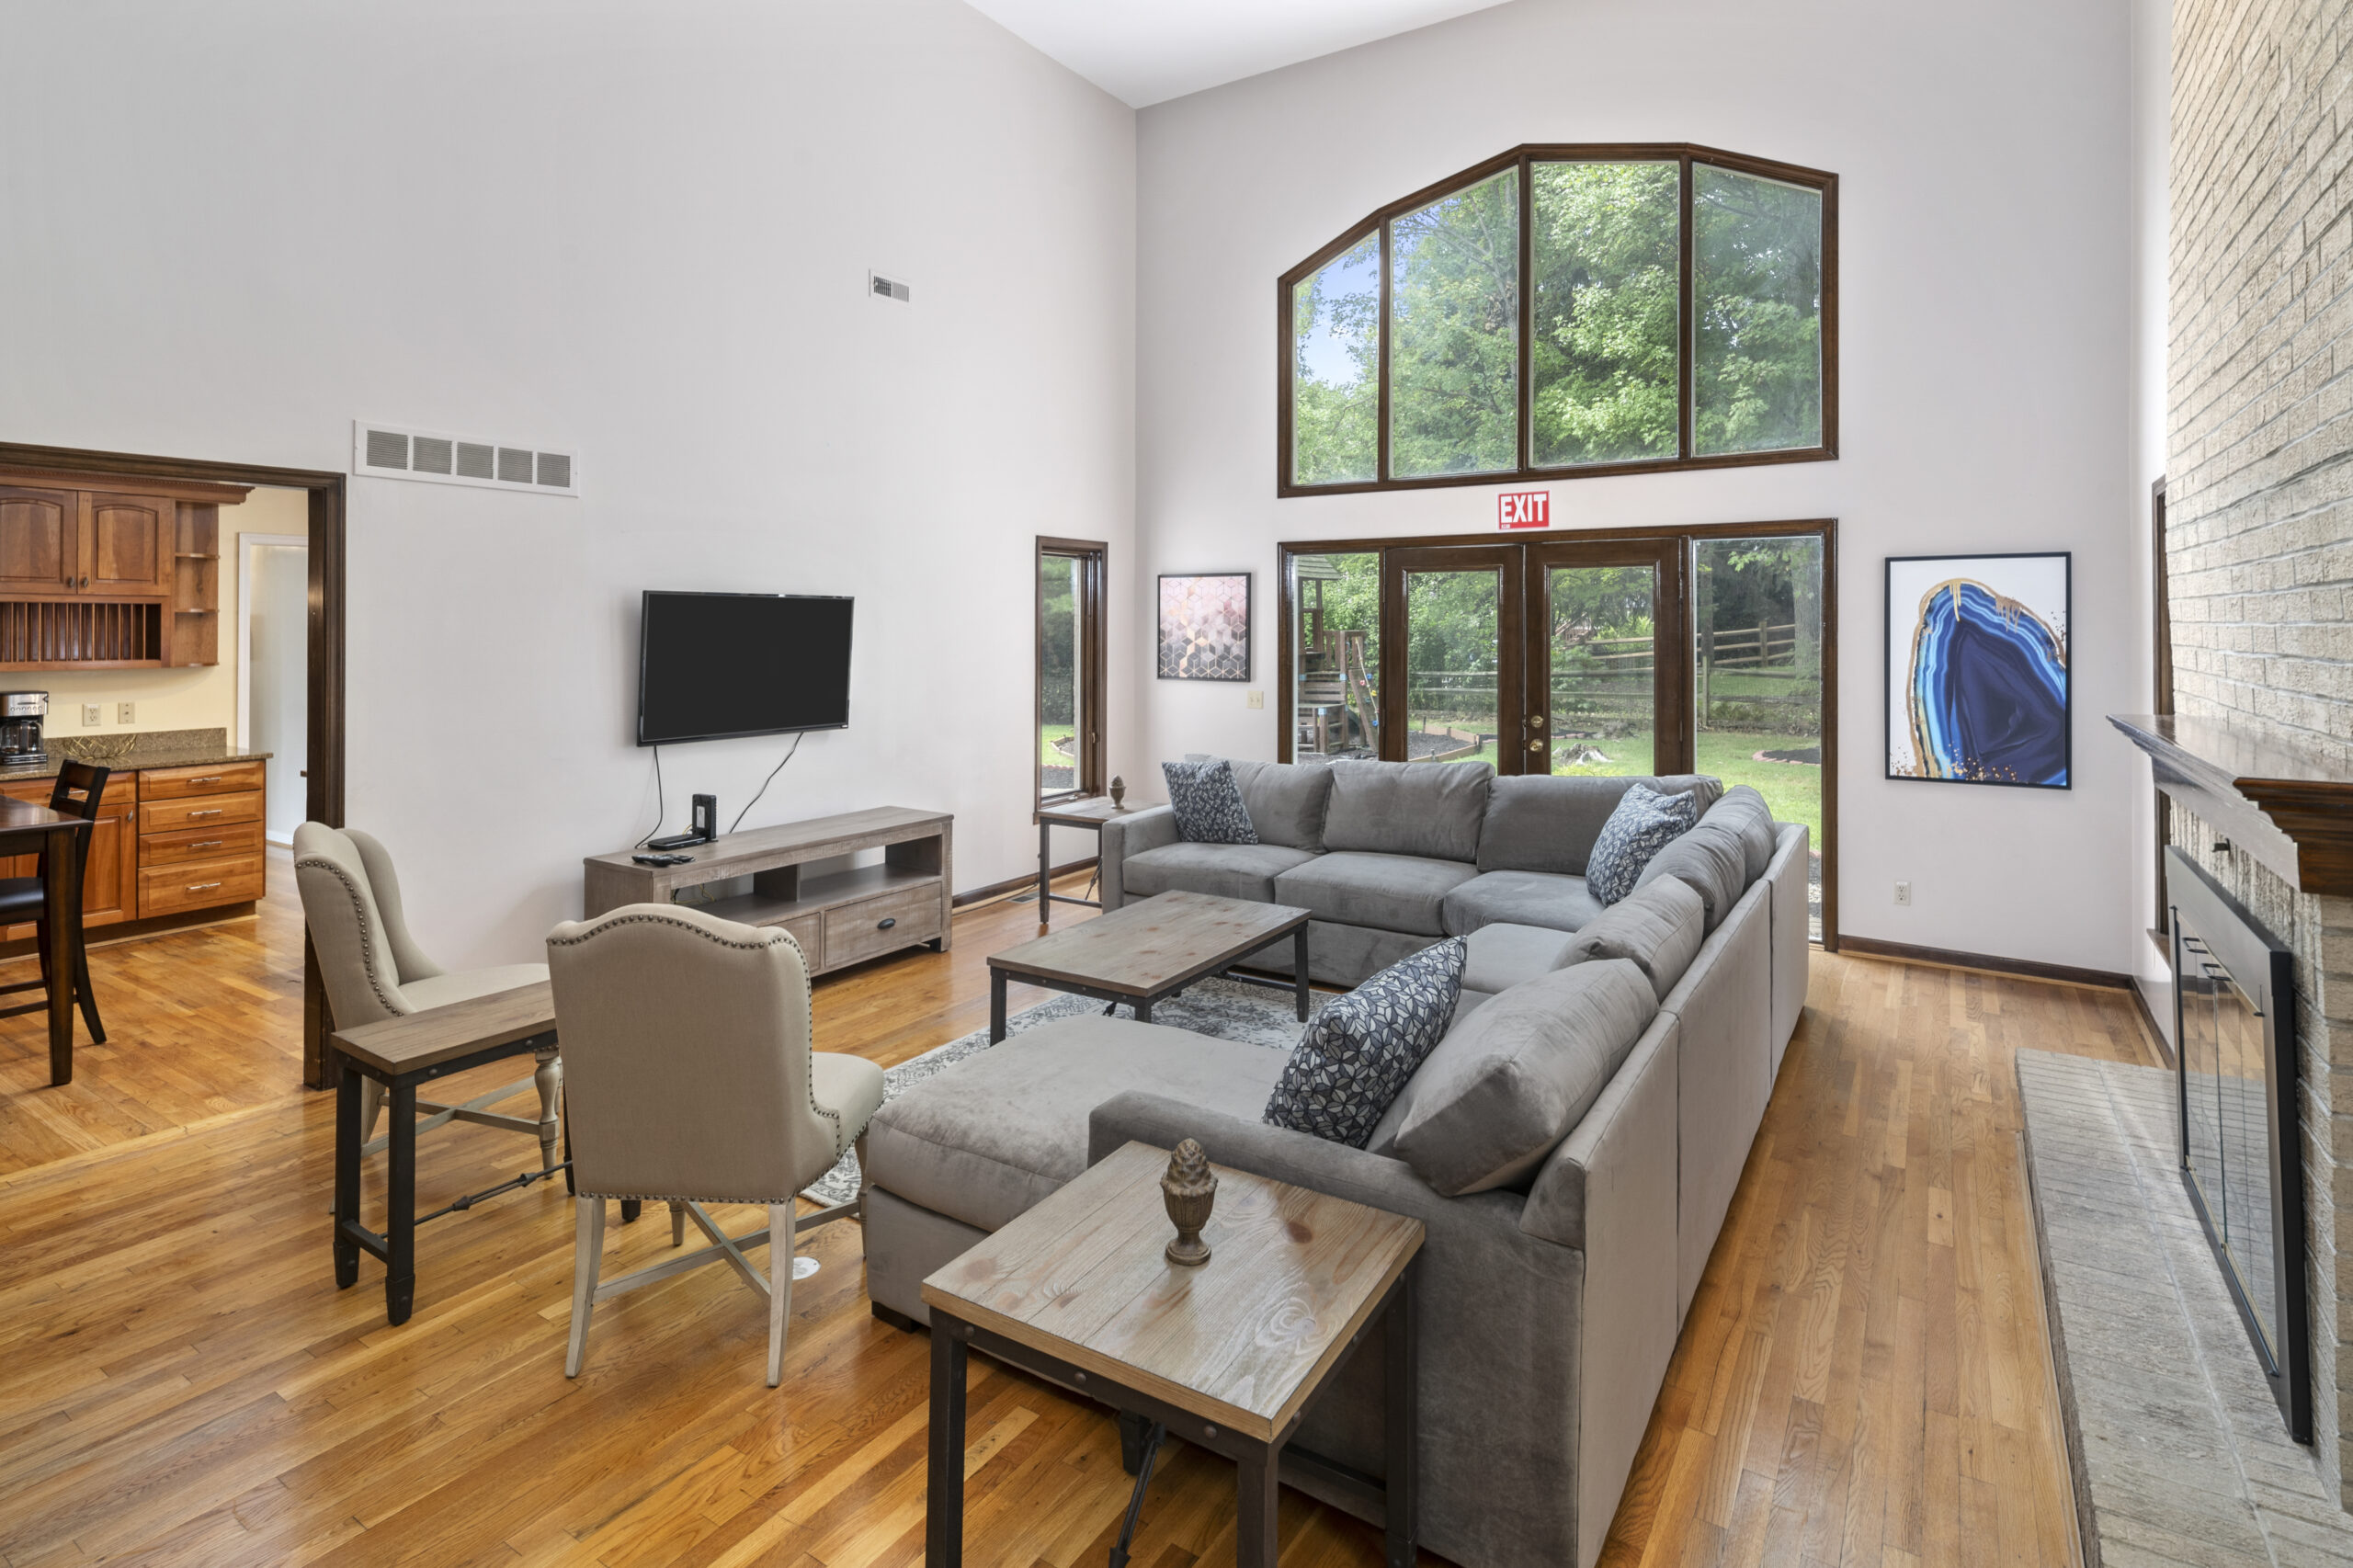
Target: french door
1563,657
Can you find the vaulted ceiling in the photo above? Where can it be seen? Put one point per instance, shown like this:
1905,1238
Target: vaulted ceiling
1143,51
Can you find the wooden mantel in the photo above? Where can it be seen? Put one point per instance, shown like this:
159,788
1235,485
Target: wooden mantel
2292,810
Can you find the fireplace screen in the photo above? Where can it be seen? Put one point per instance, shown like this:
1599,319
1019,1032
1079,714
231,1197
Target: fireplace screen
2235,1026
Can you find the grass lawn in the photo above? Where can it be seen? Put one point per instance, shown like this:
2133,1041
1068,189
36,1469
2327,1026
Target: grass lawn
1792,789
1047,736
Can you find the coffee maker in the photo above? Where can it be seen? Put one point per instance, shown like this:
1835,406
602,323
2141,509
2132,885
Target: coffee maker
21,715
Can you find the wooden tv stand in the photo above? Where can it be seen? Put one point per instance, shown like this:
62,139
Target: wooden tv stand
839,918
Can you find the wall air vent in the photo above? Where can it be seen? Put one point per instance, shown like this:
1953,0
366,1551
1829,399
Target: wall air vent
386,451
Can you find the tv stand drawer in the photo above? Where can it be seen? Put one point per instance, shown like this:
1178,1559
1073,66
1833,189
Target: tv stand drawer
884,924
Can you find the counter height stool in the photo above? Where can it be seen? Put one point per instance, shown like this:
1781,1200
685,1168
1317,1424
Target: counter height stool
79,788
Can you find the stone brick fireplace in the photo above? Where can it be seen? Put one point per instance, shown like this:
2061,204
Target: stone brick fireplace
2259,558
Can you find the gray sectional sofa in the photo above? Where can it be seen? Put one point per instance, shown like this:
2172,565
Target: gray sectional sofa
1389,857
1550,1303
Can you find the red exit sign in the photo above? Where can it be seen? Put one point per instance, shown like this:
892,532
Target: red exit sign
1524,509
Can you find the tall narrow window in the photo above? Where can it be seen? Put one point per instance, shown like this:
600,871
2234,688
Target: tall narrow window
1756,293
1335,344
1069,725
1454,332
1608,239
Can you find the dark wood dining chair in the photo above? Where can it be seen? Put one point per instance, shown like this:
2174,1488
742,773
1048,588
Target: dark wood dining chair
80,786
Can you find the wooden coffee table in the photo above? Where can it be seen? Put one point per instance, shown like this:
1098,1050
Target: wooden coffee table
1142,952
1229,1356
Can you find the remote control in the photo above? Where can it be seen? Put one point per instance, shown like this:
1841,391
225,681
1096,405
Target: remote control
662,859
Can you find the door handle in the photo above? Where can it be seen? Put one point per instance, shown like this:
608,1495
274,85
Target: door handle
201,886
1536,745
214,779
209,844
213,812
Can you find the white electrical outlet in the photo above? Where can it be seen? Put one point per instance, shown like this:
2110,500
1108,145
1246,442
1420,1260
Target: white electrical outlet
1904,893
126,713
90,720
1257,700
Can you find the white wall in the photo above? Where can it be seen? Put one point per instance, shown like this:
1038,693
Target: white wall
2152,208
643,231
1986,252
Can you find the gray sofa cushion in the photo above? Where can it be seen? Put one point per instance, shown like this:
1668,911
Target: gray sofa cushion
1207,802
1745,812
985,1139
1499,1092
1429,809
1503,954
1286,800
1657,929
1394,892
1540,822
1520,898
1710,861
1228,870
1358,1052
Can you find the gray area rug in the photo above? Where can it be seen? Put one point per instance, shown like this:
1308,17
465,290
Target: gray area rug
1225,1008
2180,1454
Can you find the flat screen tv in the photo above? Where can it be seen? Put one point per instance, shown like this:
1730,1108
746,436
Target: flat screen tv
716,665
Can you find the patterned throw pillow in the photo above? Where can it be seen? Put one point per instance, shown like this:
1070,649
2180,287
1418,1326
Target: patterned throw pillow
1359,1050
1208,802
1644,823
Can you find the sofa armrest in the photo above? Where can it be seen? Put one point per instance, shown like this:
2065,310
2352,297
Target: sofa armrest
1610,1190
1279,1152
1122,836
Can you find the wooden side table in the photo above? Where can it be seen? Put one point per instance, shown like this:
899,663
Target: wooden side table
1090,812
1078,1291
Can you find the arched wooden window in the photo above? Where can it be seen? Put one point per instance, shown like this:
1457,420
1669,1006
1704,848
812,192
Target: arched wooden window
1564,310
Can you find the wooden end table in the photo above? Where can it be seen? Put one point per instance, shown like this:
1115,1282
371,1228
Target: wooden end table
1229,1356
1144,952
1091,813
402,1053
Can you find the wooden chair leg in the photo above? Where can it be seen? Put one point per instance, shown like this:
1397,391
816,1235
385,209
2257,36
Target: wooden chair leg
678,1224
87,998
587,1257
549,1081
780,1217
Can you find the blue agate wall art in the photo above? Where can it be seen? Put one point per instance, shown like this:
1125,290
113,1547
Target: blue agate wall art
1977,669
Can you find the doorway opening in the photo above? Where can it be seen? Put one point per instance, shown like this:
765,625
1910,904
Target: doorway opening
273,669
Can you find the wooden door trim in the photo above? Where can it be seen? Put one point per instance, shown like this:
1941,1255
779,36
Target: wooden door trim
323,709
1511,693
1672,743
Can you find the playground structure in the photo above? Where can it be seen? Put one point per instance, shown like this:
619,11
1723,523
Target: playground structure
1335,705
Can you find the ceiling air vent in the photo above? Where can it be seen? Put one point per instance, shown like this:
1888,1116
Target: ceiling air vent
386,451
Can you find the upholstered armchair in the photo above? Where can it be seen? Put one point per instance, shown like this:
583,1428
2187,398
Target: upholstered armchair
373,969
691,1080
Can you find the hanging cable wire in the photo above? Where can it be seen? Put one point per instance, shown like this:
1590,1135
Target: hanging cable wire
660,810
764,784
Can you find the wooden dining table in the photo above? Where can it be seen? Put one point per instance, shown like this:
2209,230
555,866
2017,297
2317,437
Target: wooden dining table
28,829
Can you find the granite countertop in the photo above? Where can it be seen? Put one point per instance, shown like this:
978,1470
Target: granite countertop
140,749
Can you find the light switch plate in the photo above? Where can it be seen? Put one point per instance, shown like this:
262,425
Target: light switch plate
90,711
126,713
1257,700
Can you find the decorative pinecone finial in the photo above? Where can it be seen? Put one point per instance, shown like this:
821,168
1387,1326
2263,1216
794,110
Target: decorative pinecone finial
1191,1191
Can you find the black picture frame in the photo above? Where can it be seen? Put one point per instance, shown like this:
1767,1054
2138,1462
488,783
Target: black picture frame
1892,682
1169,652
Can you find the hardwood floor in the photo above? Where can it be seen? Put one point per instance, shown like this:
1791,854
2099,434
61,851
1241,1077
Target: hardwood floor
1862,1379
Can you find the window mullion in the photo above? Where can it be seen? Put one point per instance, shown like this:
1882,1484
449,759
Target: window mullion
1527,400
1381,458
